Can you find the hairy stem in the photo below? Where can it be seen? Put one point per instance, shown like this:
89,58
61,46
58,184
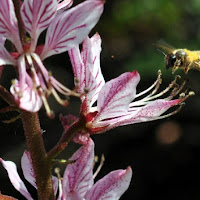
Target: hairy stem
41,164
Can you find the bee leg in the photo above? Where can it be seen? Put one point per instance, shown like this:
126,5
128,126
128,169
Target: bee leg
174,69
186,69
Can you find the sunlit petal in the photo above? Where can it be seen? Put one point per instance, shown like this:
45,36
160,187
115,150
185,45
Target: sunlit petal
149,112
29,100
71,27
86,67
37,15
116,94
8,24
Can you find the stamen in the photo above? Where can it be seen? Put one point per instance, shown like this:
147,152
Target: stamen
62,89
34,76
59,100
57,171
22,74
155,84
171,85
178,90
99,167
183,98
46,105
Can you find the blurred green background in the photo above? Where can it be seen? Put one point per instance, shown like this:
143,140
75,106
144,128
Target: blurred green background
164,154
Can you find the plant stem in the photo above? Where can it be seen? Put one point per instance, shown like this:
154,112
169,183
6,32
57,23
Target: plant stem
6,96
41,164
66,138
22,32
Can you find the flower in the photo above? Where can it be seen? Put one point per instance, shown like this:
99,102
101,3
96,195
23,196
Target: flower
78,181
65,29
116,99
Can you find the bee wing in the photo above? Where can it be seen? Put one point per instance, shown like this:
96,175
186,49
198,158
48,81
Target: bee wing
164,47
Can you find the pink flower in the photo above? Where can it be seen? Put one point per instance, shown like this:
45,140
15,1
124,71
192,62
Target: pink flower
117,101
77,182
65,29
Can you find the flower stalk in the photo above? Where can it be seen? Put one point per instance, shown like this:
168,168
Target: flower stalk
66,138
34,140
41,164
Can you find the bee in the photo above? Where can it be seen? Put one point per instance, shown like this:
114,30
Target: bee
180,58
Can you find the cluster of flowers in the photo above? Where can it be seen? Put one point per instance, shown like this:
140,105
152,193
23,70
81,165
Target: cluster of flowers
117,101
78,181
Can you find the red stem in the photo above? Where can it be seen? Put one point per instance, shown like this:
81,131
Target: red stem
22,31
7,96
66,138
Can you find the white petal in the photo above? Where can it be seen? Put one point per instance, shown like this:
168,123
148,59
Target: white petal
149,112
37,15
15,179
55,184
110,187
116,94
86,67
64,4
27,168
28,172
91,58
5,57
71,27
8,23
78,176
30,100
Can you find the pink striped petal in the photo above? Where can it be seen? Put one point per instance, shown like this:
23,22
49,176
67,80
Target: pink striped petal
55,184
28,172
2,40
115,96
37,15
15,179
8,24
91,58
71,27
87,69
149,112
30,100
110,187
64,4
27,168
78,176
5,57
78,68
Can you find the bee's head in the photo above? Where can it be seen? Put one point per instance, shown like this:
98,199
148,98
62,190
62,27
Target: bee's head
170,60
175,59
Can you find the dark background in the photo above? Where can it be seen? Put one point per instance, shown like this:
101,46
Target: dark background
163,154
